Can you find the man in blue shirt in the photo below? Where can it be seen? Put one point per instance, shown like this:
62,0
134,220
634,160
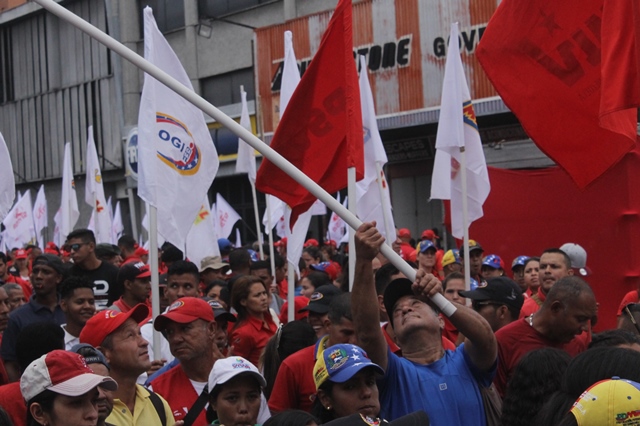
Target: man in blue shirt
47,272
445,384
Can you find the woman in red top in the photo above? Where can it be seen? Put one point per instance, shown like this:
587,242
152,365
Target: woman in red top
255,326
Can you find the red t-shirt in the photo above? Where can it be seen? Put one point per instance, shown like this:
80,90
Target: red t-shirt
294,388
530,305
177,389
407,252
631,297
250,337
13,403
518,338
283,288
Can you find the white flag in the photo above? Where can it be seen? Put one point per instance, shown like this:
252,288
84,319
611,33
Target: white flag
19,222
227,217
202,240
246,162
7,182
277,208
56,228
176,156
297,236
69,212
117,227
369,200
94,193
40,216
457,128
337,227
318,208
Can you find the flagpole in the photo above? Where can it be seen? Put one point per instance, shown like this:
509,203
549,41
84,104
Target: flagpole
291,285
272,259
443,304
255,210
465,219
351,193
155,279
383,199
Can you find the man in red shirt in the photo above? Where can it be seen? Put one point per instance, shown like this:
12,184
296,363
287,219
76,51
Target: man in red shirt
134,278
475,259
407,251
190,328
294,387
554,265
563,322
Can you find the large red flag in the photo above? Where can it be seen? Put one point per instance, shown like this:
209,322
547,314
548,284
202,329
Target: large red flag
321,130
544,58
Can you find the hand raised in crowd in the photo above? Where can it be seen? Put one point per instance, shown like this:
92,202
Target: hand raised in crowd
368,241
426,285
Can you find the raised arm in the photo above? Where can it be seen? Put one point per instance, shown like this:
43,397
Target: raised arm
364,306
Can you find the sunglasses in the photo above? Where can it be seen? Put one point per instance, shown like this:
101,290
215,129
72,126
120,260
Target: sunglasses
74,247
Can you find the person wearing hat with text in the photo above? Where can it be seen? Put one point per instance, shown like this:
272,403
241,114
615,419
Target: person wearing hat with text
20,268
47,273
117,336
61,390
445,384
134,278
492,267
498,301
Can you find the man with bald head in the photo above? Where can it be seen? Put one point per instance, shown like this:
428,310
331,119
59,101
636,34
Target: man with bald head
563,322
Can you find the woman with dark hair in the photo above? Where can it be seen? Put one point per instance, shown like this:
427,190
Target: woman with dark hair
535,378
311,256
61,390
235,389
583,371
292,418
255,325
312,281
289,339
532,275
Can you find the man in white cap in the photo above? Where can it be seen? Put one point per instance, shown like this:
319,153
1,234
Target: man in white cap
578,256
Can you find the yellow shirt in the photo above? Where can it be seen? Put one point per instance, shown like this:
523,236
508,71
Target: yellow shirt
144,413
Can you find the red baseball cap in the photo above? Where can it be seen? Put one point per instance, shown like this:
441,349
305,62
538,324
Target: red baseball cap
183,311
428,234
141,251
62,372
311,242
404,233
106,322
21,254
281,243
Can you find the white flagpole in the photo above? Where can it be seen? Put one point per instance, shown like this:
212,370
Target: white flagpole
255,210
383,199
443,304
353,208
465,219
291,285
271,249
155,279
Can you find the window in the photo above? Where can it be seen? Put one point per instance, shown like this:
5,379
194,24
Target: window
217,8
169,14
224,89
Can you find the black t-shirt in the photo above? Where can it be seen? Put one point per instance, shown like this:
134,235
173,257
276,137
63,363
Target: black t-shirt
104,278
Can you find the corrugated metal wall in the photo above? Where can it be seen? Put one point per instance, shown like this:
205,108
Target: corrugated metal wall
404,42
60,82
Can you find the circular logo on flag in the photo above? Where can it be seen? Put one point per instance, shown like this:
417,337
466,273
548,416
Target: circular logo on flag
178,151
131,151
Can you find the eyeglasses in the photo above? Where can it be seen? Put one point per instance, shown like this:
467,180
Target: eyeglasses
74,247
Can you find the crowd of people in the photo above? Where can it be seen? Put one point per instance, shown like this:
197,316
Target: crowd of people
77,331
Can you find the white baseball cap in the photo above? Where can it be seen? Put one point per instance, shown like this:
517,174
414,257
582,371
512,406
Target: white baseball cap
228,368
578,256
62,372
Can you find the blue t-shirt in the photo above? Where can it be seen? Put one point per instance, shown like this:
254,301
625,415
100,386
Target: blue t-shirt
448,389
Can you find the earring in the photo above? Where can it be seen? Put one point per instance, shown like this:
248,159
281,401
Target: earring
328,408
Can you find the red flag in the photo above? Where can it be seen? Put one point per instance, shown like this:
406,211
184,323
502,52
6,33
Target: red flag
544,58
321,130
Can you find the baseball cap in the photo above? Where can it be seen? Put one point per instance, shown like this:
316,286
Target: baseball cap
339,363
254,255
212,262
428,234
473,245
450,257
21,254
311,242
417,418
132,270
499,289
224,244
90,354
107,250
106,322
519,261
426,245
612,401
404,233
396,289
62,372
51,248
141,251
183,311
492,261
578,256
331,243
219,312
331,268
321,299
227,368
281,243
50,260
